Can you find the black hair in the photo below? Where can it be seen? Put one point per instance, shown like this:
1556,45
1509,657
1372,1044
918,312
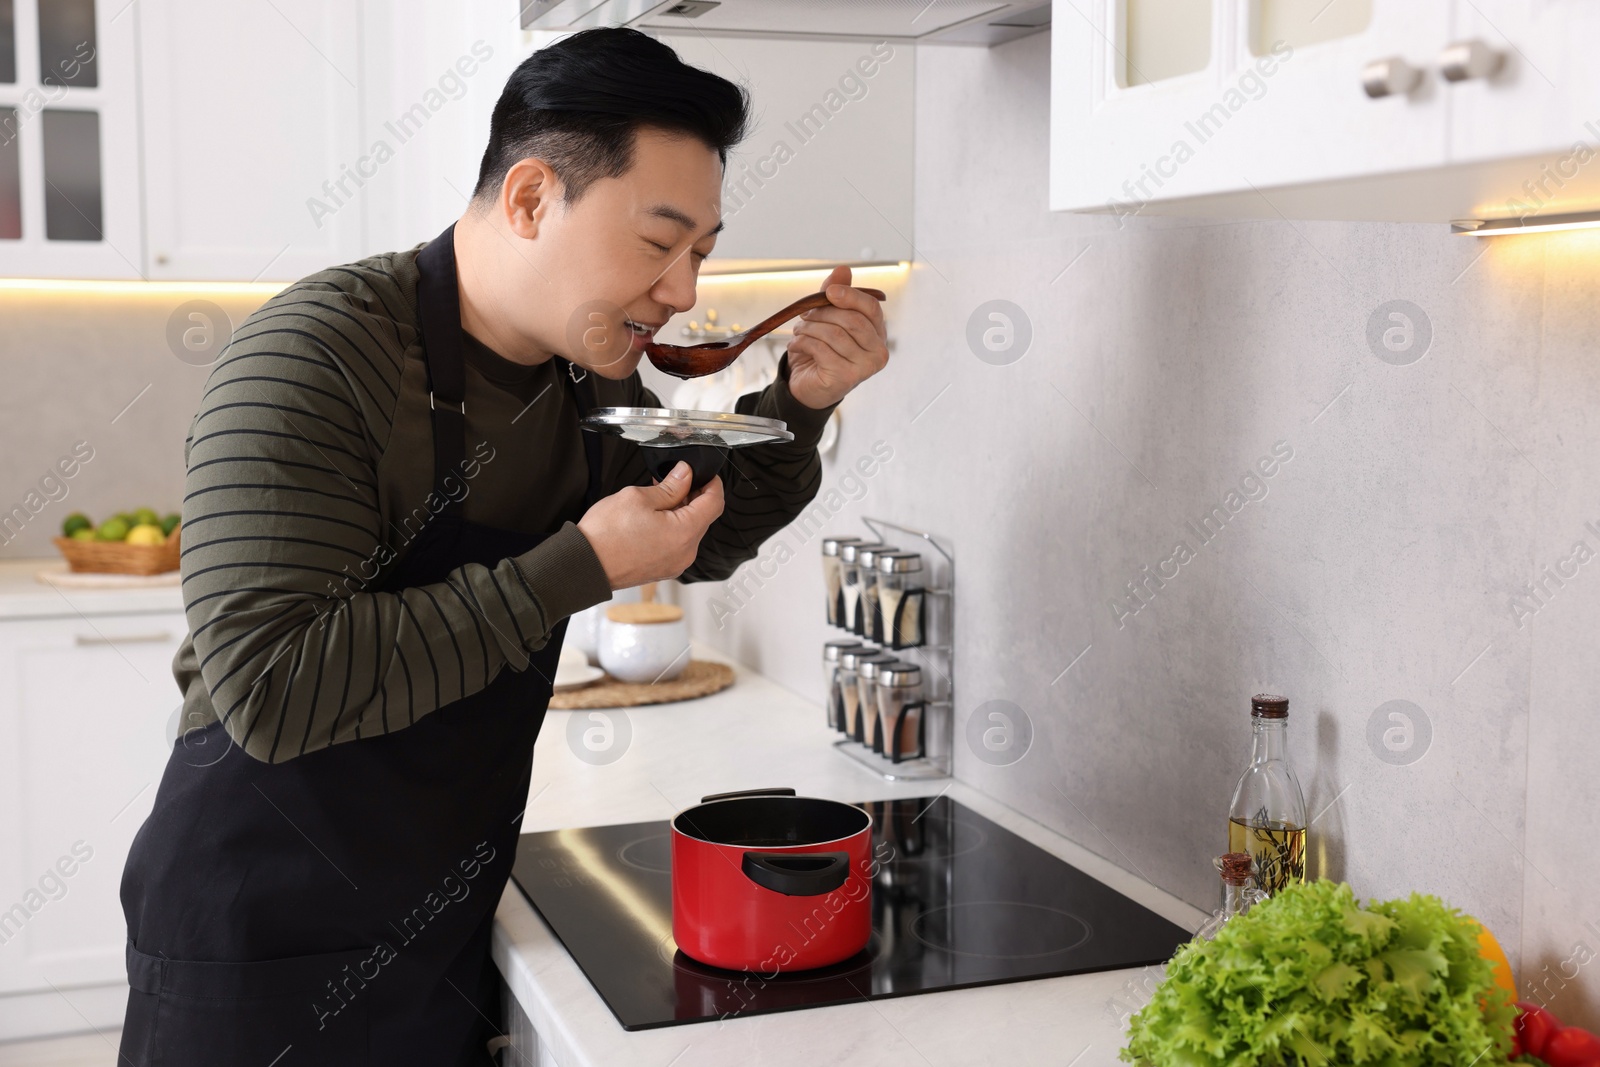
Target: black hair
578,103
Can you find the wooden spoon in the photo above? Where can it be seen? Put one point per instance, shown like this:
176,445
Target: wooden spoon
695,361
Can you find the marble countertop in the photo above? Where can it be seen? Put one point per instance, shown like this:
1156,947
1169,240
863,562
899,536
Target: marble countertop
756,734
23,596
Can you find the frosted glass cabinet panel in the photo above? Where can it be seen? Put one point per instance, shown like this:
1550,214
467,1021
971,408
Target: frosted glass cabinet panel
8,42
67,43
1164,39
10,179
1298,23
73,209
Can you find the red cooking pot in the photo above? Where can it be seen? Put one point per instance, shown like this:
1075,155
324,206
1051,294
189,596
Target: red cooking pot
766,881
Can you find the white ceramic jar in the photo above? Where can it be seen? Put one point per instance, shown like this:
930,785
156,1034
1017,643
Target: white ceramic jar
644,643
583,629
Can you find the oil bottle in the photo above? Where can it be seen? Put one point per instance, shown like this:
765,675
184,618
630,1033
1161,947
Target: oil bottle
1267,818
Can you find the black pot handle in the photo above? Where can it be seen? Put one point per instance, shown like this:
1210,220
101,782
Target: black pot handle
797,874
784,792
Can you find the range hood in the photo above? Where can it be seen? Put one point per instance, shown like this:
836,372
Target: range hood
969,22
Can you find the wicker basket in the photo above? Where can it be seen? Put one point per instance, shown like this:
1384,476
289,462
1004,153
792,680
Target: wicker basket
117,557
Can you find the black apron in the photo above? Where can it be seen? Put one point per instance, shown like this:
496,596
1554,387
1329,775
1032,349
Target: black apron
336,908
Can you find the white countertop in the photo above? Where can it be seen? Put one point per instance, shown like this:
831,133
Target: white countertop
23,596
755,734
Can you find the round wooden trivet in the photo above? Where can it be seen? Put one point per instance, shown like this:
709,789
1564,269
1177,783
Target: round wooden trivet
700,678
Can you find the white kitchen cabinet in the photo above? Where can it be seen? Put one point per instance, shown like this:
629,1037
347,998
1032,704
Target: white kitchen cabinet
1264,111
252,152
825,175
431,76
69,143
1293,132
1544,94
87,705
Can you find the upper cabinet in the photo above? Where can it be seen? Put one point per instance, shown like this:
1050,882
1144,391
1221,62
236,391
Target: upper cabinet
253,164
69,148
825,173
1408,110
191,140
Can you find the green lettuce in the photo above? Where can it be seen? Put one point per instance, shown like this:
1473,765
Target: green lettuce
1313,978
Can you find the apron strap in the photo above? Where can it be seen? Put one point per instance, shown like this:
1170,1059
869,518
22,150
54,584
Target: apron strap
439,313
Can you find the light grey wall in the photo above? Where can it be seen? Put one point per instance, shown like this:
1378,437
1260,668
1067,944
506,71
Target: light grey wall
96,368
1168,357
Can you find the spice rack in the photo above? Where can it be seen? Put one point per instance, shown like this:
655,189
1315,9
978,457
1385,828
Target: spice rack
935,654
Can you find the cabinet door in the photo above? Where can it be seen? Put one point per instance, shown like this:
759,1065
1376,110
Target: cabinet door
825,175
69,140
1276,99
251,137
431,74
1543,100
86,705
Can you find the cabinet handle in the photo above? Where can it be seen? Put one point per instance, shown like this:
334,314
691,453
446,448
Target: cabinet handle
1389,77
119,639
1470,59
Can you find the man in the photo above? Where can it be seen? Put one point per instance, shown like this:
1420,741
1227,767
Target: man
390,513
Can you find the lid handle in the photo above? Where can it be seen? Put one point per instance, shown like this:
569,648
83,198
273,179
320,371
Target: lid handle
778,792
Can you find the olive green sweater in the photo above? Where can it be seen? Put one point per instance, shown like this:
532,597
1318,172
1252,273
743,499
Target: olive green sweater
310,472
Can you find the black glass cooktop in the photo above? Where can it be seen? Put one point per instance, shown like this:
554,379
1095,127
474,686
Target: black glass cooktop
961,901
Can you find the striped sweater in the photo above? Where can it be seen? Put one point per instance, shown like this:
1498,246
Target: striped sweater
310,471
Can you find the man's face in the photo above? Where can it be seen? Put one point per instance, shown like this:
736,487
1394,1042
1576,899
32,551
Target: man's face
628,252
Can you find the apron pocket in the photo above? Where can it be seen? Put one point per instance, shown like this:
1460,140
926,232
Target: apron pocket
296,1012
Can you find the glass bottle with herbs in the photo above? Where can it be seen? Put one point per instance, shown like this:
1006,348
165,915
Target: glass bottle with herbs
1267,818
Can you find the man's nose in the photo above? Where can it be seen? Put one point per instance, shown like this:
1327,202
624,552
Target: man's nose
676,286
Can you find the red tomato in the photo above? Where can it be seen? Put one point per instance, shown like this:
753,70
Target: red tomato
1533,1028
1571,1046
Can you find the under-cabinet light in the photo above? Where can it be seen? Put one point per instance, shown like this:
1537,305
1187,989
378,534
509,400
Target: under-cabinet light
133,287
789,274
1580,220
130,287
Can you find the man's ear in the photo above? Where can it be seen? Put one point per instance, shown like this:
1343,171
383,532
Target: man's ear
527,194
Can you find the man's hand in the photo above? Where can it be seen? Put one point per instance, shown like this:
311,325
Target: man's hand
838,347
650,533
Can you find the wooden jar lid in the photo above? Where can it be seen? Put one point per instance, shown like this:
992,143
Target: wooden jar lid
644,613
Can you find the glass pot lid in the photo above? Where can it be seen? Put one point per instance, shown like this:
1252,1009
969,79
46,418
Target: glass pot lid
666,427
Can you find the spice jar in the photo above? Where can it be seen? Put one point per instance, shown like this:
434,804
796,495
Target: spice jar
867,668
831,575
830,683
900,597
850,689
850,584
867,558
898,688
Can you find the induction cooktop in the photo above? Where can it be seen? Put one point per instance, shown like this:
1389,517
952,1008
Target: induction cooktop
961,901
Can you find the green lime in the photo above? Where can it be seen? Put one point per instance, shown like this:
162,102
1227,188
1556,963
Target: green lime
112,530
146,517
169,522
82,533
75,522
127,517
